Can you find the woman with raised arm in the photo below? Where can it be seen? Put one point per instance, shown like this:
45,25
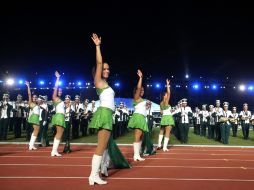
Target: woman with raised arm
167,120
102,119
33,118
58,120
138,119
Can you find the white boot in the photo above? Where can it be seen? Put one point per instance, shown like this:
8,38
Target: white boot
137,148
94,176
165,144
31,143
105,163
55,147
159,142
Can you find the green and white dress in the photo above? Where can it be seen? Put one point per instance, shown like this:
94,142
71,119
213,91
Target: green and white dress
102,118
138,119
59,118
167,117
34,114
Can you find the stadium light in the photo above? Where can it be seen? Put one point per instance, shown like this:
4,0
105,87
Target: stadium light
41,82
214,87
21,82
242,87
157,85
10,81
117,84
195,86
251,88
79,83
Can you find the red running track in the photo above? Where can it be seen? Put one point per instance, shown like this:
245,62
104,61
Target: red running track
180,168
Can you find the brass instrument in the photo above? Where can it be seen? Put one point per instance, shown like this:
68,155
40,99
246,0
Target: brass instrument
223,119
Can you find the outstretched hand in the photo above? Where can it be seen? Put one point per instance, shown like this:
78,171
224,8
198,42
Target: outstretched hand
140,74
96,39
57,74
27,83
167,82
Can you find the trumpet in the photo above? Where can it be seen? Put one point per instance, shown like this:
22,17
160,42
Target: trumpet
223,119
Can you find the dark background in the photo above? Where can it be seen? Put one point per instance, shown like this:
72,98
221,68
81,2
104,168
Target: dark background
209,39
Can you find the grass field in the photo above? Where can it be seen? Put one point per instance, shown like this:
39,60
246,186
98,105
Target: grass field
128,139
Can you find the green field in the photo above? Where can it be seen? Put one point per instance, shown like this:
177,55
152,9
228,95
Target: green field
128,139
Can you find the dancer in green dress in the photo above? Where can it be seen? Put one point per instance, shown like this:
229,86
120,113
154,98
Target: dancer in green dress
33,118
167,120
102,121
138,120
58,119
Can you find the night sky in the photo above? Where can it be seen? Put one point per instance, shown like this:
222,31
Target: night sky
213,40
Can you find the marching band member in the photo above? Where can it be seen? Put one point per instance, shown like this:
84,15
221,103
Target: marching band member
58,119
42,138
147,147
167,120
67,131
185,113
78,109
211,122
218,110
6,108
33,117
245,116
204,123
12,119
225,123
197,120
235,123
91,111
17,116
138,120
84,118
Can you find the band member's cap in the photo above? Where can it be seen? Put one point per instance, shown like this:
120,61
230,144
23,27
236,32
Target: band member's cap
245,104
211,106
68,97
77,97
217,101
184,100
225,104
234,108
5,95
41,97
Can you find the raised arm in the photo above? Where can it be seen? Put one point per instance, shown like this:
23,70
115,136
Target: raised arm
168,90
54,96
139,86
29,93
98,82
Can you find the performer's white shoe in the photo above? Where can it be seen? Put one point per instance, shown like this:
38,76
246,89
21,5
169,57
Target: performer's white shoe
55,154
94,177
32,148
138,158
96,180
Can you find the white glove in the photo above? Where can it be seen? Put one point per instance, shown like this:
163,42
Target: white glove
44,123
